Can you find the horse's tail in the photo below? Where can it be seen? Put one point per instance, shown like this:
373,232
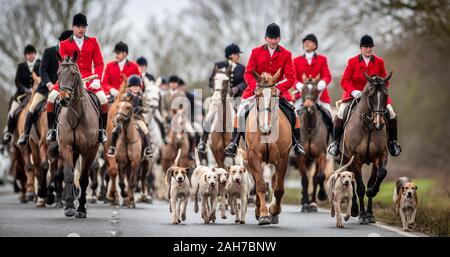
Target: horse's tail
177,159
343,168
197,158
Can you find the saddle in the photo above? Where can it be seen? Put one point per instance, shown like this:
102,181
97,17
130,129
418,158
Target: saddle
95,100
23,101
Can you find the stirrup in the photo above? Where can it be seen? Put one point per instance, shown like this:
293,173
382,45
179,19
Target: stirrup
111,151
333,149
298,149
231,150
148,152
102,136
201,147
7,138
23,139
51,135
394,148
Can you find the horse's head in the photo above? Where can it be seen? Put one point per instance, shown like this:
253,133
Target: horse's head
177,126
124,109
265,94
68,78
221,83
377,96
310,92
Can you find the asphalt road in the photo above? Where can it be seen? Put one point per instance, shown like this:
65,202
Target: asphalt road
149,220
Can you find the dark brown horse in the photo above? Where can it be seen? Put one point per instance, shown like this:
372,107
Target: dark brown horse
223,111
314,138
365,138
77,132
269,138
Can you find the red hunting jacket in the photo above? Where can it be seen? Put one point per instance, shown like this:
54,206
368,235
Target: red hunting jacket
260,61
112,78
89,54
353,78
319,65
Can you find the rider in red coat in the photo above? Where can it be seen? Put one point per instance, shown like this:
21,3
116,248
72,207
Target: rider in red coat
311,65
88,54
112,78
269,58
353,83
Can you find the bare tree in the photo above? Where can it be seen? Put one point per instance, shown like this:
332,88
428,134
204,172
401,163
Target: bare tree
40,23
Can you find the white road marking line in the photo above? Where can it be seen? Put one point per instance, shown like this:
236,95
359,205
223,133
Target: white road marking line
73,235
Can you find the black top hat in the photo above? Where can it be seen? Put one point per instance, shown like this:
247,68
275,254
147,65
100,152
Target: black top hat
312,38
273,31
174,79
29,49
65,35
134,80
79,20
121,47
366,40
141,61
232,49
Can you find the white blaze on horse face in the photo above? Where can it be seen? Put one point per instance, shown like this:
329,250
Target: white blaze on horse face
267,97
310,86
219,78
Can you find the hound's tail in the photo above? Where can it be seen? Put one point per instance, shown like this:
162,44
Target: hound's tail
177,159
197,159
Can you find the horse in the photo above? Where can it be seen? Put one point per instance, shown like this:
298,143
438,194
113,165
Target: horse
365,137
77,132
129,150
269,144
221,123
314,137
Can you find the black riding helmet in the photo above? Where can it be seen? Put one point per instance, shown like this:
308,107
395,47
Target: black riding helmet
121,47
134,80
29,49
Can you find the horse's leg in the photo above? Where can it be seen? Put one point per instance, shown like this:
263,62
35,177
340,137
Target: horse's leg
30,173
255,166
278,192
360,190
41,175
381,164
305,196
132,182
103,185
50,197
67,157
93,170
113,195
370,184
59,178
257,206
86,164
322,162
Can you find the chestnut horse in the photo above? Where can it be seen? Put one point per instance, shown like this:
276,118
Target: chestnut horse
77,132
365,137
265,144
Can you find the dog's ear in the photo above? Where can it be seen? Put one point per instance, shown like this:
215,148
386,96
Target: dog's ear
205,177
187,170
338,175
353,177
415,188
214,169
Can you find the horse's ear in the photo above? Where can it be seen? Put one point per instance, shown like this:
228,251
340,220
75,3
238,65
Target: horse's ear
277,75
75,56
317,78
60,59
257,76
368,77
304,77
389,76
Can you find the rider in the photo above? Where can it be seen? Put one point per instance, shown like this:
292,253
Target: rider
353,83
312,64
24,82
112,77
48,71
237,82
88,54
135,89
143,66
268,58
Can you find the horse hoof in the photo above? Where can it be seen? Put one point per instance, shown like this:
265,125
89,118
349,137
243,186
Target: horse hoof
236,221
264,221
224,217
131,205
81,215
305,208
70,212
93,200
22,199
50,199
40,203
274,219
322,196
370,218
313,208
59,205
362,220
242,222
29,197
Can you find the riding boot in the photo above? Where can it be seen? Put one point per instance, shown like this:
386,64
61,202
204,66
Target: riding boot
334,148
51,120
11,126
202,145
328,122
298,148
394,146
28,124
163,131
112,148
102,135
191,147
231,149
148,151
